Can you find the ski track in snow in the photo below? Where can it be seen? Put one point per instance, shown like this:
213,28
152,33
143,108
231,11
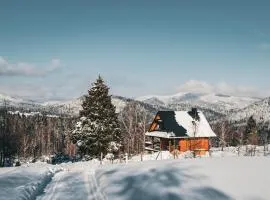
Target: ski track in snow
51,187
73,183
218,177
25,183
93,188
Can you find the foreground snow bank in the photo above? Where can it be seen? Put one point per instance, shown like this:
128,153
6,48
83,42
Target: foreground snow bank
26,182
192,179
221,178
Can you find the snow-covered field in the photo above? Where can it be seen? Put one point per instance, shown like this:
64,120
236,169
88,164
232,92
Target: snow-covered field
193,179
26,182
217,177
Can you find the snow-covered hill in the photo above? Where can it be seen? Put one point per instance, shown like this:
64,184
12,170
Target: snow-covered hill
259,110
74,106
71,107
183,178
214,106
15,101
6,99
66,107
216,102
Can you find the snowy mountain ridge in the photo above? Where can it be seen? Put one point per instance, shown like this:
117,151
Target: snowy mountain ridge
259,110
215,106
218,102
71,107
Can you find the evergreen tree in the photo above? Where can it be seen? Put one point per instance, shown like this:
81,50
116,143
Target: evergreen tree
98,130
251,131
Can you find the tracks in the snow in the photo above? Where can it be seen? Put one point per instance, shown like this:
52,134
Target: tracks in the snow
51,187
78,184
94,191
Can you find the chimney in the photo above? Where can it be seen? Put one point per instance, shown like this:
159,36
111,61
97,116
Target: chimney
194,114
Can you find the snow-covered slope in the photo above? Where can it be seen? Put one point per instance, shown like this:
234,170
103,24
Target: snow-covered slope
199,179
15,101
185,179
214,106
71,107
216,102
6,99
26,182
259,110
74,106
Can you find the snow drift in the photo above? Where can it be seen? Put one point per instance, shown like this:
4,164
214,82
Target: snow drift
191,179
26,182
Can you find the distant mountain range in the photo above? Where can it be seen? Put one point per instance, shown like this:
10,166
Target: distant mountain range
66,107
215,106
260,111
217,102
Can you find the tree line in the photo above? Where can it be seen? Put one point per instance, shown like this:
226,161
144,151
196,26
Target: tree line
248,133
99,130
31,136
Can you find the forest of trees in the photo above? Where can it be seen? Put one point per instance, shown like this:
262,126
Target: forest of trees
251,132
31,136
100,130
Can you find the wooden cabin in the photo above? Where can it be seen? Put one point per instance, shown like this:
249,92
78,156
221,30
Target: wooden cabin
181,130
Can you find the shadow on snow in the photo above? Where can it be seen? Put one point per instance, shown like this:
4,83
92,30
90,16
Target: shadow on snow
165,184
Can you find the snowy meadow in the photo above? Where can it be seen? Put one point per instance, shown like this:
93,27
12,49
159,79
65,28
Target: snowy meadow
224,175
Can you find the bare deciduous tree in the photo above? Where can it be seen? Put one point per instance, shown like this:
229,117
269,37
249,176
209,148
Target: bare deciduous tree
134,120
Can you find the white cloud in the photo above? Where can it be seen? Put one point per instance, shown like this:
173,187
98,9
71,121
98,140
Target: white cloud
24,90
221,88
27,69
195,86
43,90
38,92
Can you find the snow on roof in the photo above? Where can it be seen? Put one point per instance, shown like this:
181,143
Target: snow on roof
160,134
191,127
201,127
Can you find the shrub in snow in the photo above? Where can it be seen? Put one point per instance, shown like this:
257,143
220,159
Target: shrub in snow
17,164
87,158
113,147
79,143
60,158
109,156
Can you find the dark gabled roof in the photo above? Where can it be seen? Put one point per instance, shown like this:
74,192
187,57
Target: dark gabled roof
166,121
180,124
170,124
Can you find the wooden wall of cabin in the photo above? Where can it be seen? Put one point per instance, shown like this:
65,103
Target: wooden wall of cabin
190,144
201,145
169,144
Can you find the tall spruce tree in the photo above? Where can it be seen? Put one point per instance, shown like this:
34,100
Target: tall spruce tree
251,130
98,130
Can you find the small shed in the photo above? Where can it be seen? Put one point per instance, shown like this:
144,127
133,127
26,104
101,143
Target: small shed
181,130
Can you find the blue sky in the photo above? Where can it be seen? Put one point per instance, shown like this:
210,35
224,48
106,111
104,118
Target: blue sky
55,49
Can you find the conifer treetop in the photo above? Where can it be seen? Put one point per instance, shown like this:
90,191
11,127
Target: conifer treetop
98,129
